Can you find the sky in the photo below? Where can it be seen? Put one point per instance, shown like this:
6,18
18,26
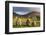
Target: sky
21,9
24,10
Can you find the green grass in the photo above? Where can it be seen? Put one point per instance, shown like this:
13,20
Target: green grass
32,25
36,18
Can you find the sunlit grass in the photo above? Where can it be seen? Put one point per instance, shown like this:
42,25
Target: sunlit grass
19,22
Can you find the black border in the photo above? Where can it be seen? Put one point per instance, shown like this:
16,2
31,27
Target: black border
7,16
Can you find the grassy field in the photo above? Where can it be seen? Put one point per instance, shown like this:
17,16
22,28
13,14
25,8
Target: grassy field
32,25
26,22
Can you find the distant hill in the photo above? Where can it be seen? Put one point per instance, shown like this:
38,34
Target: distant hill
33,13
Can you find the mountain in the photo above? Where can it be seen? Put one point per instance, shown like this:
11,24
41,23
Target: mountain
33,13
